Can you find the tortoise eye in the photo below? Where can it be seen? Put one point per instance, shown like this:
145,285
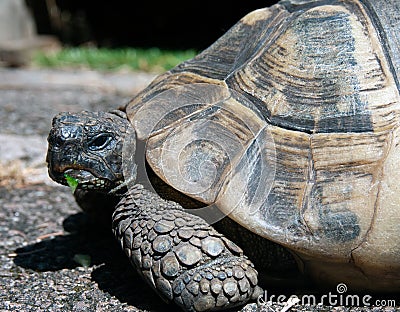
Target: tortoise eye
99,142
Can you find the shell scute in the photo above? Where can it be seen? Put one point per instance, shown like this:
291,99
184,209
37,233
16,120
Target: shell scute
325,72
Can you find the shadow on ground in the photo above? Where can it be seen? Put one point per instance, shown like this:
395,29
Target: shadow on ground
87,242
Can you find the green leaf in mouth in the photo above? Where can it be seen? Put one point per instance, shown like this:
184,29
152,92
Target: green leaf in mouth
72,182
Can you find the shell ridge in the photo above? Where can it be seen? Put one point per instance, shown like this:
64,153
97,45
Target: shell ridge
389,145
371,7
171,106
283,21
310,185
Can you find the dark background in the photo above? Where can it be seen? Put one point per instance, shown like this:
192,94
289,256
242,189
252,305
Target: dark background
123,23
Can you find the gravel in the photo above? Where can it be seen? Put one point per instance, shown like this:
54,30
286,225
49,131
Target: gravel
44,238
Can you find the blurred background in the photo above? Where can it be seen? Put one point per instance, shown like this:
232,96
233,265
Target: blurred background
119,24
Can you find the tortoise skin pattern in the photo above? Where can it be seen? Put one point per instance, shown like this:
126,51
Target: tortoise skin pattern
181,256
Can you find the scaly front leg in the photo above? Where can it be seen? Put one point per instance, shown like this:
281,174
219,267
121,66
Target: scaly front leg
181,256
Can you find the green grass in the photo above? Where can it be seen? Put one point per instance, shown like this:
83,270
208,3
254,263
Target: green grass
148,60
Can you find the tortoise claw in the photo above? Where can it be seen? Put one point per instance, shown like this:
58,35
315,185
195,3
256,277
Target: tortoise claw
222,283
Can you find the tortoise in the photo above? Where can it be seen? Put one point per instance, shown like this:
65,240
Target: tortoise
288,124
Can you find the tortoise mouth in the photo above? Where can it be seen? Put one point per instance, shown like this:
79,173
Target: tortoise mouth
84,180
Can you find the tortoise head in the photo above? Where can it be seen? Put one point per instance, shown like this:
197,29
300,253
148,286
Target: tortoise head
87,147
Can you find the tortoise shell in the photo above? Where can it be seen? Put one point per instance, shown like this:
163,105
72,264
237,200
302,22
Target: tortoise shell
289,124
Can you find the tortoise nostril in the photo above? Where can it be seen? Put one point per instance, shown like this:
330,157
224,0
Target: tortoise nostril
66,137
